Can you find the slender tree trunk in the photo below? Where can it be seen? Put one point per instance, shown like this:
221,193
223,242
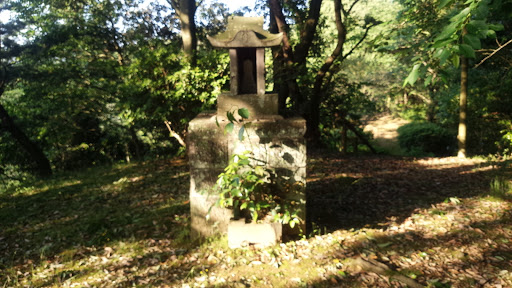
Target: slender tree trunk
463,104
344,146
431,105
359,135
43,167
137,145
186,10
461,136
313,130
292,63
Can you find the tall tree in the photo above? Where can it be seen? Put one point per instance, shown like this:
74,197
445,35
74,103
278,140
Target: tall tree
68,77
10,50
465,26
463,103
186,11
291,59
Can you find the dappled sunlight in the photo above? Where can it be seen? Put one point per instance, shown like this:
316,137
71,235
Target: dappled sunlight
60,232
429,219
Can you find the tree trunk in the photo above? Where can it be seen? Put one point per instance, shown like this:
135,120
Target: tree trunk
313,123
461,136
290,64
186,10
294,61
344,146
432,105
359,135
43,167
463,103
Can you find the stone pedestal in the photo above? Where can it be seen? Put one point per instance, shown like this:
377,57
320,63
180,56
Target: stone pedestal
259,106
264,234
277,141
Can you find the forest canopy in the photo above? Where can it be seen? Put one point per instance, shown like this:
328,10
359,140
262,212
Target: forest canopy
92,82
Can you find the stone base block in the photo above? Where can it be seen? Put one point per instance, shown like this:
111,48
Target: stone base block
277,143
259,106
206,218
264,234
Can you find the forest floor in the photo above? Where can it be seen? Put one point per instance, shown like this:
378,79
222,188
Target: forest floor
374,221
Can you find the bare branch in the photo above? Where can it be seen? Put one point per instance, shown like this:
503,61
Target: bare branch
494,52
175,5
359,42
282,27
174,134
352,7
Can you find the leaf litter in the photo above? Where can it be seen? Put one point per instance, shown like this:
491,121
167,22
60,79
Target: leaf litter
372,222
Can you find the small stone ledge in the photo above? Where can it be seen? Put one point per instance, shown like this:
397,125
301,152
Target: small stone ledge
258,105
263,234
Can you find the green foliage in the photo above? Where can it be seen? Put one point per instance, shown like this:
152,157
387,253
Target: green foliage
255,192
412,112
490,107
252,190
243,113
89,91
346,102
505,142
438,44
500,187
464,28
424,137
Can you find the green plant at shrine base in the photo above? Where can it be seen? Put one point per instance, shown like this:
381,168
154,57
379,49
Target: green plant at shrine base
254,192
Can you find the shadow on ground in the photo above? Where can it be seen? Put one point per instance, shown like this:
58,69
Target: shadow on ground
74,217
82,216
373,191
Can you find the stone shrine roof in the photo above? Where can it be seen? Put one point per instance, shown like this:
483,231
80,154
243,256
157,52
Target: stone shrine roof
244,32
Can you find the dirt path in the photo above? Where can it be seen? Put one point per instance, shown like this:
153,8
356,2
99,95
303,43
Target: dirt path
384,129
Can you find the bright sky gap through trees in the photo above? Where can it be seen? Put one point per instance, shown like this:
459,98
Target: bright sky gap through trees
232,4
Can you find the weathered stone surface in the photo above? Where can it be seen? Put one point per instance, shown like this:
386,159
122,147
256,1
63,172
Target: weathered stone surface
277,142
264,234
245,32
280,128
274,142
209,152
287,153
216,222
202,180
258,105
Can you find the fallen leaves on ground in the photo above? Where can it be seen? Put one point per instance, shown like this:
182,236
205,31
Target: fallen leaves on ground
441,222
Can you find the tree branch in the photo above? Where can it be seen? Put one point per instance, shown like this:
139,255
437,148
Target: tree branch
352,6
359,42
382,269
174,134
492,54
308,32
342,35
282,27
313,134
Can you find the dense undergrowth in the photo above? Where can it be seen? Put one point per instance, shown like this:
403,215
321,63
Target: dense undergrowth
442,222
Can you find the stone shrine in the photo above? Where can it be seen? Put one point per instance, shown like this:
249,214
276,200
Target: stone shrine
279,142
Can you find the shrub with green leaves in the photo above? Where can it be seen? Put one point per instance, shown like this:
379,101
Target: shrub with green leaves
255,192
423,138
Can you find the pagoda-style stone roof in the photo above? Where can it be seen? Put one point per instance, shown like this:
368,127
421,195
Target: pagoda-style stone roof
243,32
